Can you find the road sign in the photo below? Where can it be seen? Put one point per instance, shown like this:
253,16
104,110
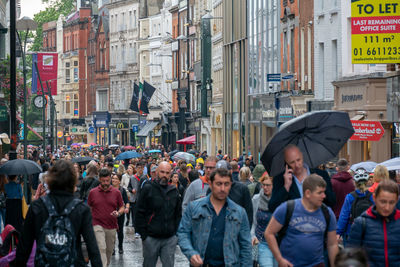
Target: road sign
367,130
135,128
287,76
60,134
91,130
375,31
273,77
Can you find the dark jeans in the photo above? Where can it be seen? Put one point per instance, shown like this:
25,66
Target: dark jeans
131,214
120,232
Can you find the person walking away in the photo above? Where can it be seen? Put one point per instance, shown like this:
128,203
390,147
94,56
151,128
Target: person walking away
61,180
288,185
310,224
380,173
13,191
342,184
255,186
89,182
377,230
354,205
198,188
244,175
262,216
158,215
235,171
126,180
214,231
107,205
116,183
3,182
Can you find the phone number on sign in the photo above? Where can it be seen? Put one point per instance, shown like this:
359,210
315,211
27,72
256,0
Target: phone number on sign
377,51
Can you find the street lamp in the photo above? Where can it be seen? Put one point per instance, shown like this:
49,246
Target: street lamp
25,24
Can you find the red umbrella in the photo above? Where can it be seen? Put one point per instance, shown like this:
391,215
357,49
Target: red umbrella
129,147
191,140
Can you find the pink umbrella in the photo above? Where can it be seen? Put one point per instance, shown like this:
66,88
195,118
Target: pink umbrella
129,147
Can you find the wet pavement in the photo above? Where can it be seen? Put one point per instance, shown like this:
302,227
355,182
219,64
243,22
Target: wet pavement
132,256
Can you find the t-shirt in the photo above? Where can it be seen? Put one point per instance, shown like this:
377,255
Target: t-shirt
303,243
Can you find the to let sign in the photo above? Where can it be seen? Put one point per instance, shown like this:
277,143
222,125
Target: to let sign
367,130
375,31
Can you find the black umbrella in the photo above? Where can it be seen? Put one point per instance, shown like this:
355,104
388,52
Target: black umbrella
83,160
319,135
20,167
172,153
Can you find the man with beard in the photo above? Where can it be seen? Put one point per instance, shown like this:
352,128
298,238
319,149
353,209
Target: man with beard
107,205
157,218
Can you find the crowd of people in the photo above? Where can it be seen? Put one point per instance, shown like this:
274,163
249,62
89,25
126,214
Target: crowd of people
219,211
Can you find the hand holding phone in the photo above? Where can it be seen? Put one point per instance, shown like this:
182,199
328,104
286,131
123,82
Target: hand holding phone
288,177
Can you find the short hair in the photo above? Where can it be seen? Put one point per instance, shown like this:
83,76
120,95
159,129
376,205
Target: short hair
211,158
244,173
342,164
193,175
264,177
380,173
222,173
110,164
62,176
139,163
104,172
351,257
234,165
387,186
312,182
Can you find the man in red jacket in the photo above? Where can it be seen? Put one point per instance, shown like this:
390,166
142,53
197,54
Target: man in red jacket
342,184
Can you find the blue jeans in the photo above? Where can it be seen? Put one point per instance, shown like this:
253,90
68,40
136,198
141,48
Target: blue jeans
265,256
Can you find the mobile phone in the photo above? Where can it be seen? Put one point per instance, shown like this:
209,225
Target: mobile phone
287,165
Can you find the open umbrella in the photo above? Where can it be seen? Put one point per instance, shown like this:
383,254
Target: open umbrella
75,144
391,164
155,151
191,140
128,155
93,144
82,160
173,152
85,146
129,147
20,167
184,156
193,151
369,166
113,146
319,135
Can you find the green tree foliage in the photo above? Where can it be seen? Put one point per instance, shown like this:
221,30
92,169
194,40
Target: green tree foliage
52,12
5,81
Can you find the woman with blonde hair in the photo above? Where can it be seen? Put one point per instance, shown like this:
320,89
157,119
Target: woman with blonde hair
380,173
244,175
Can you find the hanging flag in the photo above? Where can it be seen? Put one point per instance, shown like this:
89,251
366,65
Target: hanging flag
47,63
148,91
135,98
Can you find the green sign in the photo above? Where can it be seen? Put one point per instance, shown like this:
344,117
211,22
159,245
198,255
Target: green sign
3,113
74,130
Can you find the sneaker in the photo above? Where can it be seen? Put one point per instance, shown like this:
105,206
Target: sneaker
113,252
137,236
121,251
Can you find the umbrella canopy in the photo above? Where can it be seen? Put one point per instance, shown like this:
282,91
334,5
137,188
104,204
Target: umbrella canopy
155,151
319,135
20,167
93,144
128,155
191,140
173,152
193,151
369,166
83,160
86,146
113,146
184,156
129,147
75,144
391,164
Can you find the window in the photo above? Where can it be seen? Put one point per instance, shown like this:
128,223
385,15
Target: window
134,18
76,75
75,63
67,64
102,100
67,76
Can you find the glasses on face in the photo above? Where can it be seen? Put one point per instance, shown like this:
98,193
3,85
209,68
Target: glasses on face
266,185
209,167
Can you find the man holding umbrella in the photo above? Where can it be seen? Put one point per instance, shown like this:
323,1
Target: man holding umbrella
289,184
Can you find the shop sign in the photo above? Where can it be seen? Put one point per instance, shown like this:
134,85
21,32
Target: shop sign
269,114
122,125
285,109
3,113
367,130
60,134
375,31
79,130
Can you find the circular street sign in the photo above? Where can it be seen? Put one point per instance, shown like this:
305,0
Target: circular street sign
91,129
38,101
59,134
72,136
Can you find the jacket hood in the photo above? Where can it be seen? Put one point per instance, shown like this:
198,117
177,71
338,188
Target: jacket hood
342,176
371,212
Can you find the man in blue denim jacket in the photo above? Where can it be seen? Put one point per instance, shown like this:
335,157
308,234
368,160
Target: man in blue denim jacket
214,231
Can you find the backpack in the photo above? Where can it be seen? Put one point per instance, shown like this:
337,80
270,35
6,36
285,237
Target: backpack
56,245
289,213
360,204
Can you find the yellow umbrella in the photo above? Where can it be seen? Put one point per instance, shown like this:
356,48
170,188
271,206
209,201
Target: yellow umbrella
85,145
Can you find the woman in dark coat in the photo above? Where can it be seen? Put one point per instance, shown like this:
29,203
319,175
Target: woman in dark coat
61,180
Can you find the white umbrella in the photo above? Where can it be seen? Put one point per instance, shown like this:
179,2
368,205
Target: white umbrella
369,166
391,164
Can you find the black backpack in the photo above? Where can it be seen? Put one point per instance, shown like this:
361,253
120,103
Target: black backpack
289,213
360,204
57,240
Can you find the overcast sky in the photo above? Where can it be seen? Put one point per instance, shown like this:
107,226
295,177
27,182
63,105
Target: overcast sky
31,7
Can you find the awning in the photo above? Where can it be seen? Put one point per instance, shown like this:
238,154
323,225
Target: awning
158,134
191,140
148,127
358,117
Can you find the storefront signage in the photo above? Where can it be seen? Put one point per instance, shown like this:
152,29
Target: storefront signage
273,77
285,109
60,134
351,98
367,130
375,31
268,114
122,125
79,130
135,128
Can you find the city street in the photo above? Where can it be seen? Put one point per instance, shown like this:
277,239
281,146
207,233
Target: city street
132,256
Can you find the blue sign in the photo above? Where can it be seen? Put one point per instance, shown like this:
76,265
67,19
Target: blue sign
287,77
135,128
91,130
273,77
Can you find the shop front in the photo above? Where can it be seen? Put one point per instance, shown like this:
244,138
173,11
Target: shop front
364,98
101,120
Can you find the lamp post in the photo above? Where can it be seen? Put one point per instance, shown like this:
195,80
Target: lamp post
25,24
